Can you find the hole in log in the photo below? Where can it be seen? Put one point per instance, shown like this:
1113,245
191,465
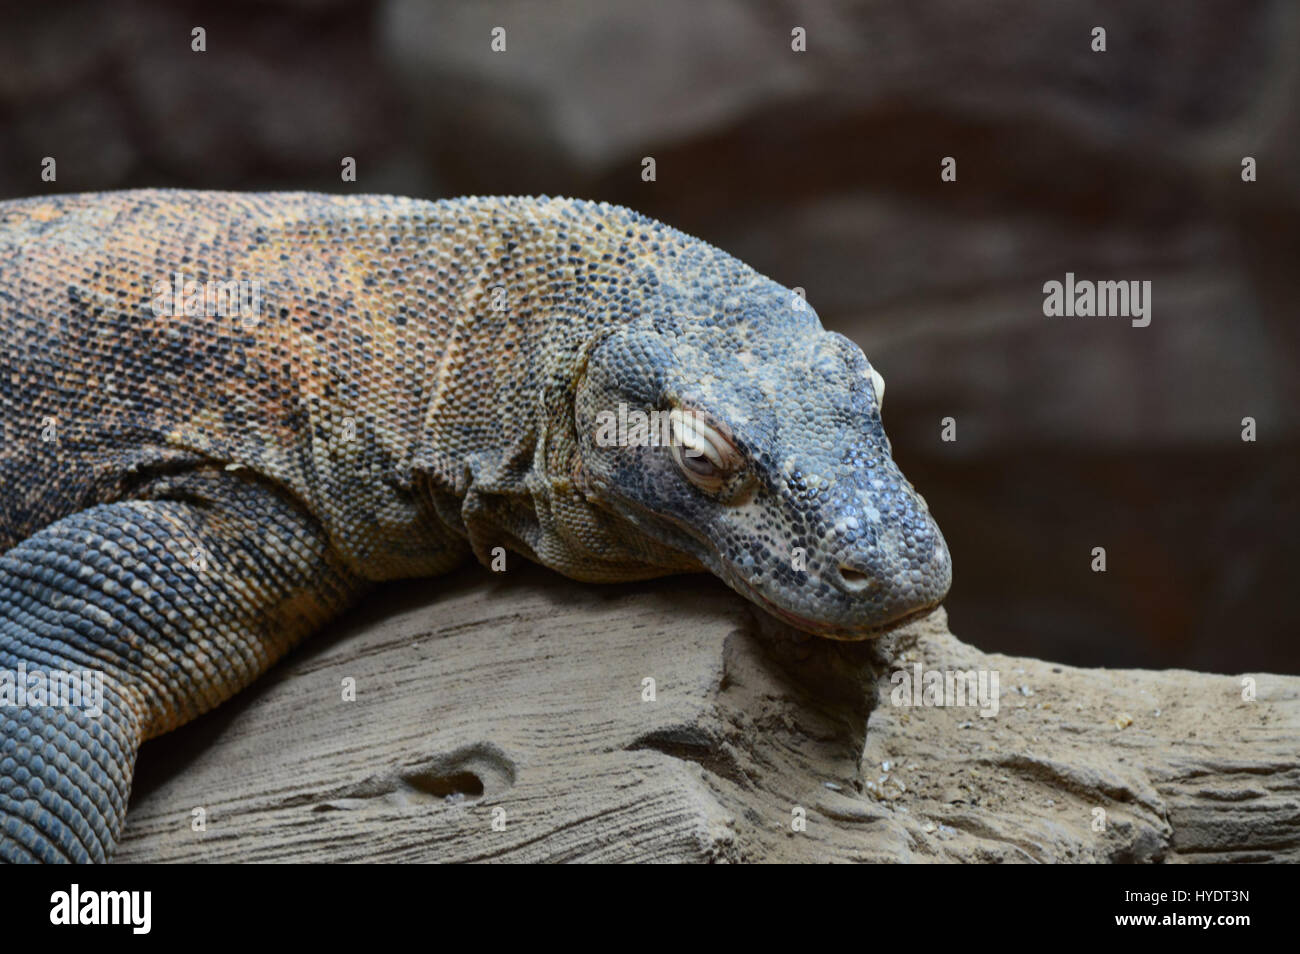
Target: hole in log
441,786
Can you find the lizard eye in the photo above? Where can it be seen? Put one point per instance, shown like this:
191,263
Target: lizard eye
702,452
878,380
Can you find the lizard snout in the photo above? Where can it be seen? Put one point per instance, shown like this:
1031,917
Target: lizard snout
892,574
852,579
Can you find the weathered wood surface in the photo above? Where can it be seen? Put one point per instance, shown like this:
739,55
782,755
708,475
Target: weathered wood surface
478,693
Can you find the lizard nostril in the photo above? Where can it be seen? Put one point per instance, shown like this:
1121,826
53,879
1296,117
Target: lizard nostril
854,580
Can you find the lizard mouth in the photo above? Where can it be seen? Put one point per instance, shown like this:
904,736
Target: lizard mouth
729,574
821,627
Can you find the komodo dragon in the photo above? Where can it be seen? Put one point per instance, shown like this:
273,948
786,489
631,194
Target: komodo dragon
187,492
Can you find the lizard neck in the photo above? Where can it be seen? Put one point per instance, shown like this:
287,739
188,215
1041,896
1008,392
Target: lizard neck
514,317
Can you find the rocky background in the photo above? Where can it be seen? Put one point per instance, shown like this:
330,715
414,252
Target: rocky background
821,169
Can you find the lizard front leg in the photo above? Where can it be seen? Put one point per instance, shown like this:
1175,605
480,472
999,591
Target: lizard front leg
179,603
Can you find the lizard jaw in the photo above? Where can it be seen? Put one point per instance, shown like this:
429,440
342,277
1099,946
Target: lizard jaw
818,627
727,571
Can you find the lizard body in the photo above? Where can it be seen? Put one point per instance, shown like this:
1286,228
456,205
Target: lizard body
186,494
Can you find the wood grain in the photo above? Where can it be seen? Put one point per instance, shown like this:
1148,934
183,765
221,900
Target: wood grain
481,694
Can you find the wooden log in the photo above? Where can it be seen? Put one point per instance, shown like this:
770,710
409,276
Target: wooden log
507,718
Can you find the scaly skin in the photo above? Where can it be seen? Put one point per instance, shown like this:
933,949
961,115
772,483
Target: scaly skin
185,496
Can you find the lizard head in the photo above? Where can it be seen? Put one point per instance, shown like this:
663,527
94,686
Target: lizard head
750,439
